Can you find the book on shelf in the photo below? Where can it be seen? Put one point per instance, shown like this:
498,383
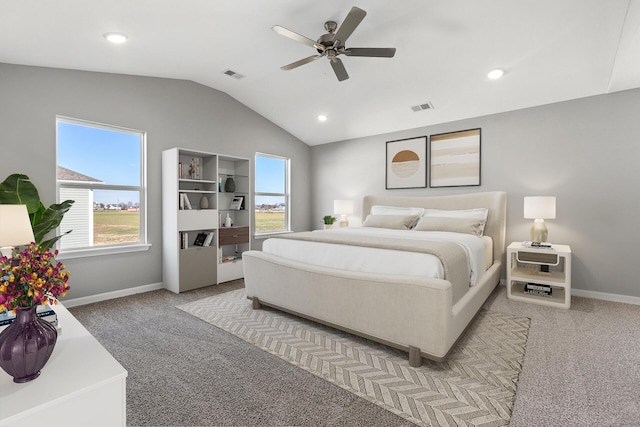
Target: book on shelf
184,240
200,239
209,239
44,312
538,289
184,201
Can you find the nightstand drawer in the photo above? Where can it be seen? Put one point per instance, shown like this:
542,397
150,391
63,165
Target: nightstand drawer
233,235
537,257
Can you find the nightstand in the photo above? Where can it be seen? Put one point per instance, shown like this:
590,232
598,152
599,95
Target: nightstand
533,271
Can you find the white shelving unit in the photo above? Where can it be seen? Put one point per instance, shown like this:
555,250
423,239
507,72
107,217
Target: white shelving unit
551,267
234,240
192,204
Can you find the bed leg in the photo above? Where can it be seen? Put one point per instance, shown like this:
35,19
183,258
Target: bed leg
256,304
415,357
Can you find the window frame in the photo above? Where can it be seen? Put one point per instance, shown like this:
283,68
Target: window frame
286,195
142,244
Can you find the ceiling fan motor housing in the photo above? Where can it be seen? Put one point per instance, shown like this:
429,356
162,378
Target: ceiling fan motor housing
327,41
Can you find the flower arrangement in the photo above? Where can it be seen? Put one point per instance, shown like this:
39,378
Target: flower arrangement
31,277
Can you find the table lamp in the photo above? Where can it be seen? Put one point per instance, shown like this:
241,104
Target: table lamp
539,209
343,208
15,228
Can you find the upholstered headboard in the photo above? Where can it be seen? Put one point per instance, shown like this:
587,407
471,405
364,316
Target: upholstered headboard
494,201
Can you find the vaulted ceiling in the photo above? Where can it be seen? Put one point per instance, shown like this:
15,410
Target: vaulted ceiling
550,51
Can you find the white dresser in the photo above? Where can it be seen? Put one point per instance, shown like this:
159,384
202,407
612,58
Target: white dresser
81,385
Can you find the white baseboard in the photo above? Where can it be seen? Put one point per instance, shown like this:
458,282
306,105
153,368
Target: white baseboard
74,302
155,286
605,296
598,295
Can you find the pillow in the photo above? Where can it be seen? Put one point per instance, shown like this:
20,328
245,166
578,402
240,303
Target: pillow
394,222
395,210
478,213
456,225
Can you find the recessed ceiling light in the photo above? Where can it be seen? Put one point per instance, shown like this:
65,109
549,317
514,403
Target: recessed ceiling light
116,37
322,118
495,74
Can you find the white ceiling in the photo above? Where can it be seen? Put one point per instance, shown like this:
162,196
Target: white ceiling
551,50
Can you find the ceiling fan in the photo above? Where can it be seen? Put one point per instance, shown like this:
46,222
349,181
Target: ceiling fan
332,44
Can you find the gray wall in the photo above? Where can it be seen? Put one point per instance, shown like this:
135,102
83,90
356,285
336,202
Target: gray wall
585,152
590,148
172,112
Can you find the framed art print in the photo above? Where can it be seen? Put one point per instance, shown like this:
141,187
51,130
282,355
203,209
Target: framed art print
455,159
407,163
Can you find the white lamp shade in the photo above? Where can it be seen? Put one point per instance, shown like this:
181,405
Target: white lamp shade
343,207
540,207
15,226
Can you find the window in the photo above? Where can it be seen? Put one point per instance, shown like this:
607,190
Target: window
101,168
272,194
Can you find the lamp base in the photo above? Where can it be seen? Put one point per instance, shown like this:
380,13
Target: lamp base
539,232
343,221
7,251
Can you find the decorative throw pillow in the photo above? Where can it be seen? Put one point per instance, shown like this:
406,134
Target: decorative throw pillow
478,213
394,222
455,225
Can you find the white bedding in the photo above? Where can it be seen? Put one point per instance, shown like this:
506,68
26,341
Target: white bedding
385,261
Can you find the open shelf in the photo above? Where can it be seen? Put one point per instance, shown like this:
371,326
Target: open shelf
558,295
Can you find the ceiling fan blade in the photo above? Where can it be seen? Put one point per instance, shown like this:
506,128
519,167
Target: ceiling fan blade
300,62
338,68
379,52
353,19
297,37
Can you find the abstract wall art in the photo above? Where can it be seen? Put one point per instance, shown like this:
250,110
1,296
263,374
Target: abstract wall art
407,163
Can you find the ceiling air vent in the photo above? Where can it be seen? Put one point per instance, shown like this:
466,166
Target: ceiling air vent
425,106
233,74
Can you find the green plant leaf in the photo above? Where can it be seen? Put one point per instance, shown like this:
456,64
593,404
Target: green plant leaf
49,219
48,244
17,189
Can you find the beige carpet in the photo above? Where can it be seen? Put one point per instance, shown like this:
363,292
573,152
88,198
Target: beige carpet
475,386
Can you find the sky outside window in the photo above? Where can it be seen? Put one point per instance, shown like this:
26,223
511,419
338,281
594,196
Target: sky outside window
112,157
270,175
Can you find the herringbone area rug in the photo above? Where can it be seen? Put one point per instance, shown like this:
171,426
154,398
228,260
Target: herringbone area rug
475,386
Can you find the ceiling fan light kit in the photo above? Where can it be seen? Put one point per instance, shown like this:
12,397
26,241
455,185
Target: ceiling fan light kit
333,43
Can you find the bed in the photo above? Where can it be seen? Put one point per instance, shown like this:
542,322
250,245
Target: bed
422,312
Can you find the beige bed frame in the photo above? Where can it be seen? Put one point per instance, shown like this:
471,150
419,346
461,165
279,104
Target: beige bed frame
409,313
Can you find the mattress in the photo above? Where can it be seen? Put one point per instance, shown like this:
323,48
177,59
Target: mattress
479,252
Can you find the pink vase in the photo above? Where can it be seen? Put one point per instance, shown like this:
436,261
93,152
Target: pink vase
26,345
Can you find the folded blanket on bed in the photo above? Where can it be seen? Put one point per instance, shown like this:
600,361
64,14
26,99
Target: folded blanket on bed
453,256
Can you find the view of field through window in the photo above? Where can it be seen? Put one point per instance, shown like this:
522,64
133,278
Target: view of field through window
115,227
272,194
99,167
270,221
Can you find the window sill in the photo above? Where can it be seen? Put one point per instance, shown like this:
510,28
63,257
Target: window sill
109,250
267,235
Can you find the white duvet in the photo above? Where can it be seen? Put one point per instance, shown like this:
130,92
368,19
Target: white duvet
384,261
